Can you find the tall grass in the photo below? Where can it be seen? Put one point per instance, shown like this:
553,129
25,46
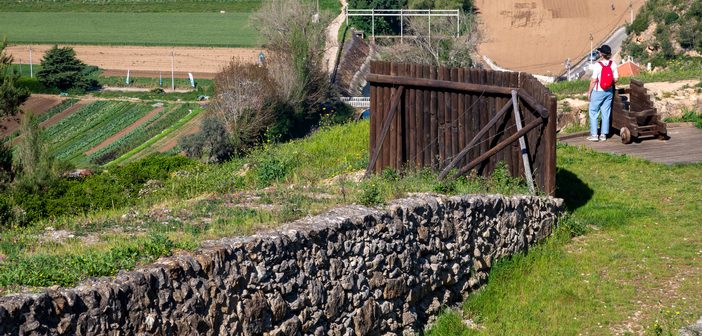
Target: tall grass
636,254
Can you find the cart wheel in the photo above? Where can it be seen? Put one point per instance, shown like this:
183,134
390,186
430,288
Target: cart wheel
626,135
662,136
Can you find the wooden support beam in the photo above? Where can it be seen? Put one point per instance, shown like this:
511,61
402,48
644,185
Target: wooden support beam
475,139
527,98
499,147
386,126
437,84
522,144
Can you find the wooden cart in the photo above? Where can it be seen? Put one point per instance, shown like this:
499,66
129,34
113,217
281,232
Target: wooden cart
634,116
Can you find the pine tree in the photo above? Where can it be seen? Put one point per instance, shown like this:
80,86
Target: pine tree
11,96
61,69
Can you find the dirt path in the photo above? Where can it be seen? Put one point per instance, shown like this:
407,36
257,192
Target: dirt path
538,36
333,38
148,59
37,103
125,131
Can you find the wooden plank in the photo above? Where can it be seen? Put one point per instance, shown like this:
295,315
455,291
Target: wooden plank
455,112
444,83
484,117
522,143
474,115
416,158
461,126
490,112
410,121
388,144
447,121
550,169
396,128
514,149
637,82
535,123
533,103
426,161
382,109
374,115
387,125
441,119
434,120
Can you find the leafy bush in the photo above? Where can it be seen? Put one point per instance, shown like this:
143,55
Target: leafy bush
370,194
273,169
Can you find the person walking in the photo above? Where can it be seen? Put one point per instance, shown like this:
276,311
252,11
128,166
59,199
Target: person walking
601,92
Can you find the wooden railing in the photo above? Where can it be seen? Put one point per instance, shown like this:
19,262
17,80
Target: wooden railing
456,120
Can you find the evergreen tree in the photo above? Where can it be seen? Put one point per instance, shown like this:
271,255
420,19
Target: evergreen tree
61,69
11,96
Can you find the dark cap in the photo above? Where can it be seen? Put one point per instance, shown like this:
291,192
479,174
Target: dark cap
605,49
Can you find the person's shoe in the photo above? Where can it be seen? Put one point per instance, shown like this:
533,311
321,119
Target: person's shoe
603,137
593,138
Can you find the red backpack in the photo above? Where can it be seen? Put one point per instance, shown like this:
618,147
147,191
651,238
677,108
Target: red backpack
607,76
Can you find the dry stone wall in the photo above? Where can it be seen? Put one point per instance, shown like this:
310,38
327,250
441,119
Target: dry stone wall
352,271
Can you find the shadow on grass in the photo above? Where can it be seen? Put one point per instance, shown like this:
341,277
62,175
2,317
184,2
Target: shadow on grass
572,189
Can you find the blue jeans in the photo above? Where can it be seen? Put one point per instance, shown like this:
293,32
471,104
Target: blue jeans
600,101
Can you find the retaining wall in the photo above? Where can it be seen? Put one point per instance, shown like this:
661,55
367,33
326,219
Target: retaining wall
352,271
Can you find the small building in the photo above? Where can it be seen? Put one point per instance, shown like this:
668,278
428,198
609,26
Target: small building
628,69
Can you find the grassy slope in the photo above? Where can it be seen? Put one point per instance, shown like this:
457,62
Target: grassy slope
276,183
638,269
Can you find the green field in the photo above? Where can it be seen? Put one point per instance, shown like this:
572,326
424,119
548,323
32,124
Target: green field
140,6
177,29
131,22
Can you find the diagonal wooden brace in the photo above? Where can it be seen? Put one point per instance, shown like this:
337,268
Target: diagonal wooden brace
500,146
475,139
397,97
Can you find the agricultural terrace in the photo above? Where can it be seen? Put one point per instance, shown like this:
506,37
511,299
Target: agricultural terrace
89,132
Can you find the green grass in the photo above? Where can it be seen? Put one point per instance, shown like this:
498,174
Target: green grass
176,29
203,202
688,116
139,6
638,264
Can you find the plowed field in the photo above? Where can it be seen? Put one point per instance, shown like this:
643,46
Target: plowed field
538,36
203,62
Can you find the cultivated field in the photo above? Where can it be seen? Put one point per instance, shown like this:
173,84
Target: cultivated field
203,62
538,36
165,29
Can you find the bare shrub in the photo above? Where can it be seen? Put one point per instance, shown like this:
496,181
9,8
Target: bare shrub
242,94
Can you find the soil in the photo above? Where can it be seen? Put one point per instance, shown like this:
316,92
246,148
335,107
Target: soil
125,131
56,118
37,103
538,36
150,60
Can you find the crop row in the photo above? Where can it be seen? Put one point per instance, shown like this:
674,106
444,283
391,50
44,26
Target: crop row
141,134
57,109
102,132
100,121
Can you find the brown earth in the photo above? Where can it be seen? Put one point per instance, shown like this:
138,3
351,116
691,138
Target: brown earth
56,118
37,103
125,131
538,36
201,60
155,74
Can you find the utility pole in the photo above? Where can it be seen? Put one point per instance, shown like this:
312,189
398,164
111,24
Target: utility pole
31,71
173,70
590,55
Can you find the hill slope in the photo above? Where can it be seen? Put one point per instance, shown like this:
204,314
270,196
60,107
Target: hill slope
538,36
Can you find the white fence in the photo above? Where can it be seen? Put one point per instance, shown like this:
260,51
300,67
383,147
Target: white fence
357,102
